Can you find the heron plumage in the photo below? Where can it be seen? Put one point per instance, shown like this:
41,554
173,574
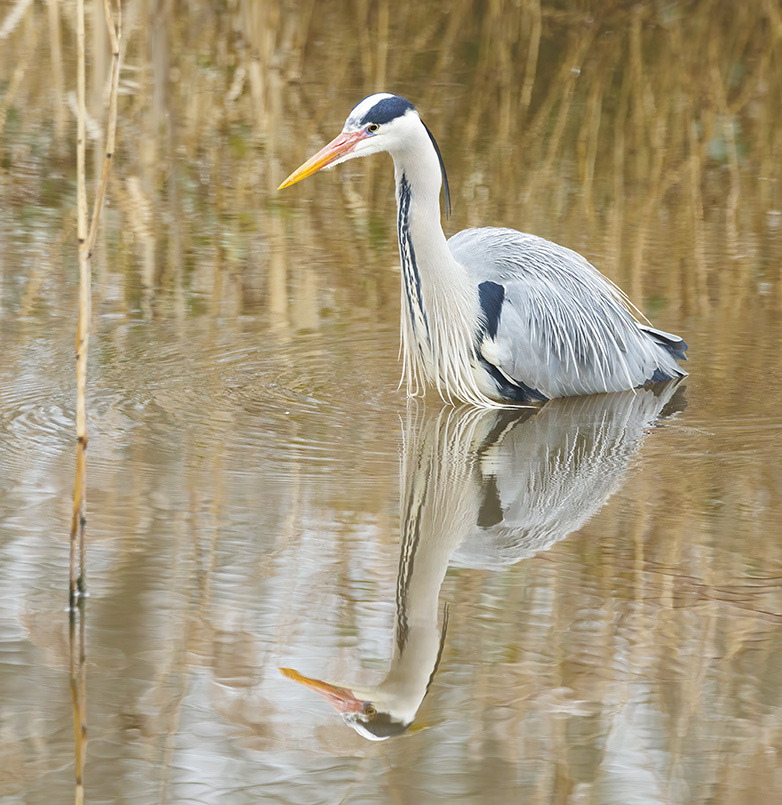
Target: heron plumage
563,328
495,316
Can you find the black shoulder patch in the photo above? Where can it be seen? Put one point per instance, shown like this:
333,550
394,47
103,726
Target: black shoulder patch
490,512
491,296
387,110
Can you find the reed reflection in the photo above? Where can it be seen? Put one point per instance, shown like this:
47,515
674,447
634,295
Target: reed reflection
486,489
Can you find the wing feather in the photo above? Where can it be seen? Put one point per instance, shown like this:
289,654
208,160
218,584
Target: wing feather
563,327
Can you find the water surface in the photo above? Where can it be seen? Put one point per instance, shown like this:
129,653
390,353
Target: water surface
578,604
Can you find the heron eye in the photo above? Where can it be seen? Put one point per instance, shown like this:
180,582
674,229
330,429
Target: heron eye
370,711
372,128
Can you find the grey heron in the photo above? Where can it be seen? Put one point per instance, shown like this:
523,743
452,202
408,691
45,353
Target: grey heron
487,489
493,316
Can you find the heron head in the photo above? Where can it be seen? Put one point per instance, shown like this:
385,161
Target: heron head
360,710
379,123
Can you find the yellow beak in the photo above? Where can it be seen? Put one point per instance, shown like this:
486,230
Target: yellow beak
341,699
338,147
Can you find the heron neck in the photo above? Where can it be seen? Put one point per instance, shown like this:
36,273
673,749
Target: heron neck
418,639
422,242
438,514
440,304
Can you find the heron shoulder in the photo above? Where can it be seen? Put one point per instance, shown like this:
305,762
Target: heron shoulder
533,268
508,253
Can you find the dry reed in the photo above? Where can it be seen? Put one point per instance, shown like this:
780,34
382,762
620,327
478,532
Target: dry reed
86,233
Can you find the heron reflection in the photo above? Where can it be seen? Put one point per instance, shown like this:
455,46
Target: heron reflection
485,489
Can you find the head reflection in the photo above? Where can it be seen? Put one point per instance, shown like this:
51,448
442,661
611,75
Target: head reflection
485,489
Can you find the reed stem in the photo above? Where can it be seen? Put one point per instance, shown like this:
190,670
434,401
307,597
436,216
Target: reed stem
86,234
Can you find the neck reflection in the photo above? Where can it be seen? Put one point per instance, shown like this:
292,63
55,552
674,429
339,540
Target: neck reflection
486,489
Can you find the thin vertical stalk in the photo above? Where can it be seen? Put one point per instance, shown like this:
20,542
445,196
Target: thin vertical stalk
55,50
78,674
115,34
77,581
86,240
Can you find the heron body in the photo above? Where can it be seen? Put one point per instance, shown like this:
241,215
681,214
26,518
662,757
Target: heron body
494,316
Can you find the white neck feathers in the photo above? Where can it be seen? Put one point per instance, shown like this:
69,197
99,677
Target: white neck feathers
440,305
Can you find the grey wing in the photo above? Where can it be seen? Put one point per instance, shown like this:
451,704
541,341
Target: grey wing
544,478
553,326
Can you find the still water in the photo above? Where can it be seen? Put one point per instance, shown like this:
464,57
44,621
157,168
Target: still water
577,604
